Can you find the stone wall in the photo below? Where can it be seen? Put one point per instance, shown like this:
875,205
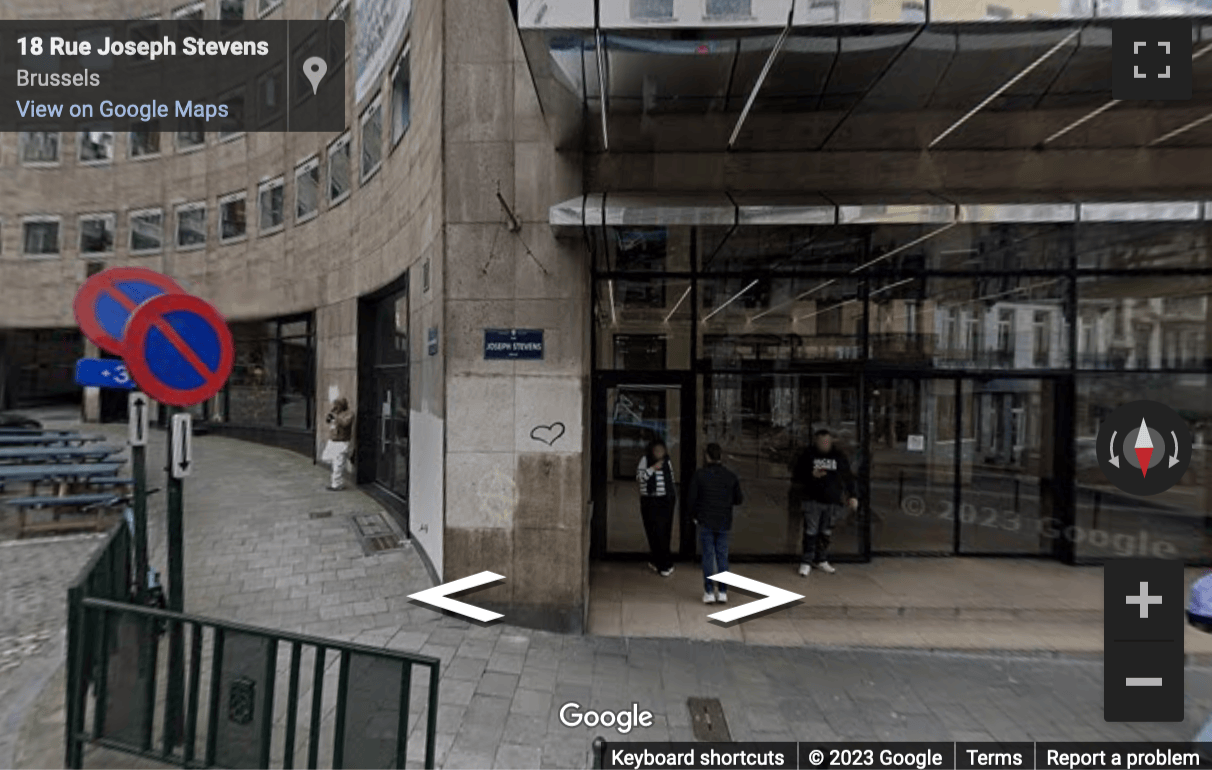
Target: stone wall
515,475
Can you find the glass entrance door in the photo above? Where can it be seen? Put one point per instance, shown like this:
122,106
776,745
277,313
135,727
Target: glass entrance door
912,474
763,421
391,430
636,413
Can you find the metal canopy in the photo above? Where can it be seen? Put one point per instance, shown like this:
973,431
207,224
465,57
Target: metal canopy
860,86
568,219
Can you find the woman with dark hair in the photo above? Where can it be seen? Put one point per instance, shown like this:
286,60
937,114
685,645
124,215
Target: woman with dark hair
658,497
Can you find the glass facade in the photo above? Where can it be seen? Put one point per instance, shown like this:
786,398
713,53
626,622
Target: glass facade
272,384
963,367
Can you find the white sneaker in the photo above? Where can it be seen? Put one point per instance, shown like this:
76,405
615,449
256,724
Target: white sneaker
666,572
722,598
708,598
826,567
805,569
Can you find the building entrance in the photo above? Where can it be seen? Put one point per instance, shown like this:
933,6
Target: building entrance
383,390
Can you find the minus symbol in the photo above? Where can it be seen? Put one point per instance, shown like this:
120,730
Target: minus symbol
1144,681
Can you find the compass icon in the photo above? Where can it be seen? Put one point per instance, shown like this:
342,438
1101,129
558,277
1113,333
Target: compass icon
1144,447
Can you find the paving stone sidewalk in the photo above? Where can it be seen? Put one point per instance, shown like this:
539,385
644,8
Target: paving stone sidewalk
256,553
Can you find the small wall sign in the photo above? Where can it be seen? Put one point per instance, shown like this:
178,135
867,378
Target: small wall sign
432,341
513,344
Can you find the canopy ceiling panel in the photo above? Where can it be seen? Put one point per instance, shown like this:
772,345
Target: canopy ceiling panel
759,83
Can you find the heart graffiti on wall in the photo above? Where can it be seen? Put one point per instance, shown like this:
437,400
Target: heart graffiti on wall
548,434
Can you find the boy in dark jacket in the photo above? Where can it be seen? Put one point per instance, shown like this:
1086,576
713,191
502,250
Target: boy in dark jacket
826,485
714,490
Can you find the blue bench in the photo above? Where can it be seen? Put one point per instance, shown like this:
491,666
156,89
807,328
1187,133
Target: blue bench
53,453
48,439
97,504
63,473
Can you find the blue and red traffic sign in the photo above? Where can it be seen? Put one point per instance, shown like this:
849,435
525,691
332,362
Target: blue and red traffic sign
179,349
106,301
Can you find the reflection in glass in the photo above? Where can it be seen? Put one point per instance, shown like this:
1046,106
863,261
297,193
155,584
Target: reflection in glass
40,237
913,444
644,323
638,414
1142,245
1172,525
1143,322
763,422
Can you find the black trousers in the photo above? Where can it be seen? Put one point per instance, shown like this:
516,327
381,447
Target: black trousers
657,513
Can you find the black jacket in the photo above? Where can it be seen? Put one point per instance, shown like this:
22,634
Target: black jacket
835,487
713,491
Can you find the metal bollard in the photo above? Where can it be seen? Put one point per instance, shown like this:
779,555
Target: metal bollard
599,752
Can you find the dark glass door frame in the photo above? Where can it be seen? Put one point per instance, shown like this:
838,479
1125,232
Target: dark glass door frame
603,381
1062,439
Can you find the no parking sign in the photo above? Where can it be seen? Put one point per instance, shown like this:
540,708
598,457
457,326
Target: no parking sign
178,349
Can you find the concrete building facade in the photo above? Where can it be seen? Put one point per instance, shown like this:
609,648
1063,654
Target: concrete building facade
770,223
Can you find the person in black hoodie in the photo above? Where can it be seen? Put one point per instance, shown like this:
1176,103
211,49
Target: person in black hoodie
826,485
714,490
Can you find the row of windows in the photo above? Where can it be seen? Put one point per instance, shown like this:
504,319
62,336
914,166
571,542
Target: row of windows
42,234
41,149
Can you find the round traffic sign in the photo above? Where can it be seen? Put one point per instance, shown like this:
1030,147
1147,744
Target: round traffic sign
1144,447
106,300
178,349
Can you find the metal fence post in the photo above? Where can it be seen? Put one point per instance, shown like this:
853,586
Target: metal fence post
75,662
599,752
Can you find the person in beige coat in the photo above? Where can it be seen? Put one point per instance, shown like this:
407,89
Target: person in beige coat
340,433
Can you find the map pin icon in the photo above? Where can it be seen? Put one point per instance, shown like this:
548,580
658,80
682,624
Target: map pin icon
314,68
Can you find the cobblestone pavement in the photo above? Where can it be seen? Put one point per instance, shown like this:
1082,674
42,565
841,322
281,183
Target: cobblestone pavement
34,575
266,545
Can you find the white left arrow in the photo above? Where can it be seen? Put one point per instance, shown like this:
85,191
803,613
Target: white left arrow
439,596
774,597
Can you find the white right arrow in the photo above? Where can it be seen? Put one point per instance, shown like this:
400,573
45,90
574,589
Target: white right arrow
774,597
438,596
1174,457
1114,458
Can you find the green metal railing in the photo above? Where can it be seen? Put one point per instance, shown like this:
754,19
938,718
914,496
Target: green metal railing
236,725
107,575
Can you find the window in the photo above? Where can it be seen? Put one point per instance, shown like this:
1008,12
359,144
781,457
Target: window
307,189
231,10
1042,329
40,236
998,12
191,135
97,234
338,170
652,9
822,12
144,30
729,9
338,51
145,143
271,205
191,226
232,126
39,147
272,382
1005,332
372,138
271,94
913,11
233,222
146,231
401,98
266,6
191,12
96,146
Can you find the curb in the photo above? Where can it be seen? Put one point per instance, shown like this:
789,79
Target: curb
994,614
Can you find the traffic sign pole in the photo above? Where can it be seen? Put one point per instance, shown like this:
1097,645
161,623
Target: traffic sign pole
175,713
138,409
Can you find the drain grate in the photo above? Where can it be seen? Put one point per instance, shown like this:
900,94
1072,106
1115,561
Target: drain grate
707,720
320,515
375,533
